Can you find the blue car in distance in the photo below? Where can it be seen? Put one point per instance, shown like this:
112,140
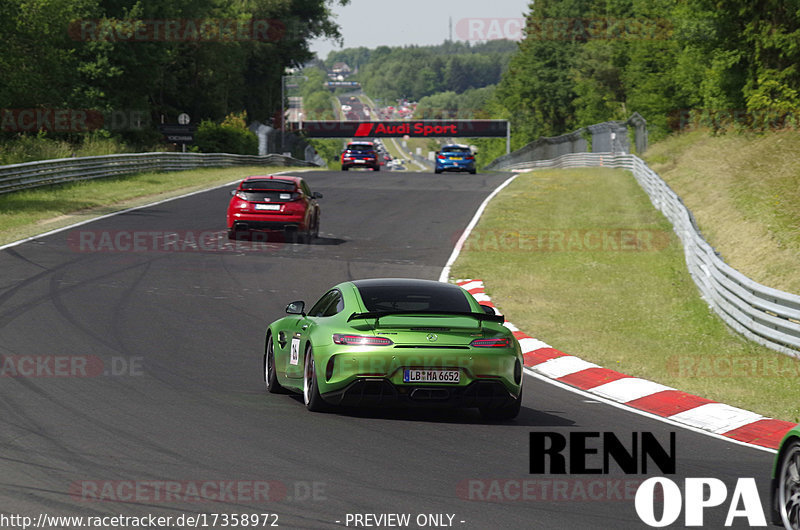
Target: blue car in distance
455,157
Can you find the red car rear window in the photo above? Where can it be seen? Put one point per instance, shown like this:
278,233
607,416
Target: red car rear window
269,195
269,184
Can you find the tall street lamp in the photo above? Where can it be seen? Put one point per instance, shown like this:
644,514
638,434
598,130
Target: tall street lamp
283,107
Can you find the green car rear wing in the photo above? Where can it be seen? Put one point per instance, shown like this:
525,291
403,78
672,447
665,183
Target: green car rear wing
377,315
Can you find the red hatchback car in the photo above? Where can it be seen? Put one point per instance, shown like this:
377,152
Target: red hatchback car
274,203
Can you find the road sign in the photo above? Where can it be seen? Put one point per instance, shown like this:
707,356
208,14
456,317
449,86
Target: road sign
354,84
178,134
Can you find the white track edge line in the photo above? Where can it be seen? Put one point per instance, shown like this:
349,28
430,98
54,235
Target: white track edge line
445,275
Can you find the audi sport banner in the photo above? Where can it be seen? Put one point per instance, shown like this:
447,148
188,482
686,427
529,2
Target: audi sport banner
412,128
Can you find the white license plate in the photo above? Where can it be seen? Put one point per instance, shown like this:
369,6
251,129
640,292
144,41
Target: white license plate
360,161
413,375
272,207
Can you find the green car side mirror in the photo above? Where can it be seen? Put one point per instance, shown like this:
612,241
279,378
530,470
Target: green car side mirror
296,308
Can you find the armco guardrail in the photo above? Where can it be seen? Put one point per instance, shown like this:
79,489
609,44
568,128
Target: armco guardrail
765,315
602,137
34,174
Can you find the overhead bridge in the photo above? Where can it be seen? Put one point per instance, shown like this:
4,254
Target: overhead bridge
409,128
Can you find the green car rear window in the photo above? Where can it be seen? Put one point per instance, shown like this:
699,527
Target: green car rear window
427,298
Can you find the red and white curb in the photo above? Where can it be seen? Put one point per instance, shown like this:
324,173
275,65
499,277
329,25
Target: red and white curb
693,411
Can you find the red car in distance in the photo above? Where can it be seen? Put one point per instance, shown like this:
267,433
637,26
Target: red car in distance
274,203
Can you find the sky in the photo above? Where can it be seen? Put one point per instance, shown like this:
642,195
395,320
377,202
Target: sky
374,23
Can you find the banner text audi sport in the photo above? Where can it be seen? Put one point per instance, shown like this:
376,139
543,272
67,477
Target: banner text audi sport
411,128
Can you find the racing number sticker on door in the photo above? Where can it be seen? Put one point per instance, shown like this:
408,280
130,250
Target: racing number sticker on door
295,353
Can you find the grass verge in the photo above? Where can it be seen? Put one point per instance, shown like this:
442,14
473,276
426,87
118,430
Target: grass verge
582,260
35,211
32,147
744,191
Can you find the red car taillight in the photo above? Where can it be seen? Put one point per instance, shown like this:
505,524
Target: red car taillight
441,157
491,343
360,340
241,195
294,207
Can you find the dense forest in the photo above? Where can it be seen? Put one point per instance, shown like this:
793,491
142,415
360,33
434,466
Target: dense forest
725,65
413,72
152,58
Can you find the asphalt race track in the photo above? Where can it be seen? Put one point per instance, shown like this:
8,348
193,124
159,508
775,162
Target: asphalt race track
148,382
358,111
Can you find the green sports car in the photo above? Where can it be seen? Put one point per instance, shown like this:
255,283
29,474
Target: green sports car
396,341
786,481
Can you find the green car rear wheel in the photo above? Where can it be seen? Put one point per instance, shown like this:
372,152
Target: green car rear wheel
311,395
789,486
271,378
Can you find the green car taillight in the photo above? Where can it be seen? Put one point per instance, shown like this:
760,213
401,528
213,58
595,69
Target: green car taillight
491,343
360,340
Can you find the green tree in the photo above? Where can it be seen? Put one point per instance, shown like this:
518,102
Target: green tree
415,72
37,60
230,136
86,55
